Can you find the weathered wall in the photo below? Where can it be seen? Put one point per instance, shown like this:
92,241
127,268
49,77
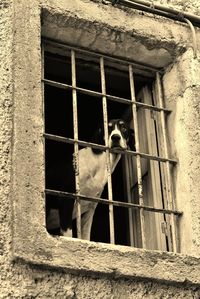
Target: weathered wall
191,6
22,280
6,110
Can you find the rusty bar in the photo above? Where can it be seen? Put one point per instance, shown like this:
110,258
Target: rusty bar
116,203
105,119
100,94
43,114
103,147
129,198
76,145
171,203
138,161
43,86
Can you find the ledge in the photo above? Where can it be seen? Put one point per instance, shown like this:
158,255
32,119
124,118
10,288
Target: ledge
111,260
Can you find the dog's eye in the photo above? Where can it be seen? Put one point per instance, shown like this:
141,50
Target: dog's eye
110,125
123,128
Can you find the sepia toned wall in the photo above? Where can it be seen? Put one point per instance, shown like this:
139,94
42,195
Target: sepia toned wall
20,79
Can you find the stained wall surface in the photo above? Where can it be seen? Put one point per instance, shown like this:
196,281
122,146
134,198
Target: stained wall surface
20,29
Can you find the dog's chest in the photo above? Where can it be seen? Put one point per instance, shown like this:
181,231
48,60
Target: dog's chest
93,175
92,172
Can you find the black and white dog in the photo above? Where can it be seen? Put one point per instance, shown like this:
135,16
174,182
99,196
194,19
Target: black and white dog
93,176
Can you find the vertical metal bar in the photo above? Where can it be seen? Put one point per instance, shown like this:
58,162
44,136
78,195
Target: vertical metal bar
43,84
128,191
171,203
76,147
44,126
105,118
138,161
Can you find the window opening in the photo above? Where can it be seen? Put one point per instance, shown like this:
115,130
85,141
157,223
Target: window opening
83,91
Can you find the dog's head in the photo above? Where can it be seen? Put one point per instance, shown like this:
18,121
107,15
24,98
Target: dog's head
120,136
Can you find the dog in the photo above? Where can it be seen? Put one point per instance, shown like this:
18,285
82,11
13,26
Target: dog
93,176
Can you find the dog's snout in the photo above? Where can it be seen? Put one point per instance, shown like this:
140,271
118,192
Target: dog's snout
115,137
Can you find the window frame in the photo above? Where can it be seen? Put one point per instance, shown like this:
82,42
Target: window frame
138,154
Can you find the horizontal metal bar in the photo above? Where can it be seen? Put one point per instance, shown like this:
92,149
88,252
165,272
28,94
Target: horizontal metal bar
108,202
100,95
71,141
85,91
104,148
124,61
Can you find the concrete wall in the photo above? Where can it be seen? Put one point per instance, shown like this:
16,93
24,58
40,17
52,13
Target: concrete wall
191,6
20,82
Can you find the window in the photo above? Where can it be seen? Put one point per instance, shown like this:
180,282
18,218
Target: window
82,91
31,241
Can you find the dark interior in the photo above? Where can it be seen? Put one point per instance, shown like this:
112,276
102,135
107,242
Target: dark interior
59,121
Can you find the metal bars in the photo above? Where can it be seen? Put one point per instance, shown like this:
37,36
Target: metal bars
170,201
137,145
100,95
65,46
105,118
103,147
76,146
134,104
114,203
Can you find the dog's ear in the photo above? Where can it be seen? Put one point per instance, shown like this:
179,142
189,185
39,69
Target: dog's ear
131,140
98,139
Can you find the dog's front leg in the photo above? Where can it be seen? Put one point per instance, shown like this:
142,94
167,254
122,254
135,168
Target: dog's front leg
65,213
86,223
